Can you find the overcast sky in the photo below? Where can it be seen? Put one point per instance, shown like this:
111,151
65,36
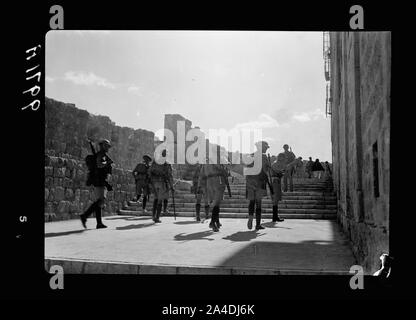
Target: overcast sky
217,79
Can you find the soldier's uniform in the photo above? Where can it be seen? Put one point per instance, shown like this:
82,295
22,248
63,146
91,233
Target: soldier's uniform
308,168
102,171
290,157
256,190
214,174
277,171
199,188
161,181
142,179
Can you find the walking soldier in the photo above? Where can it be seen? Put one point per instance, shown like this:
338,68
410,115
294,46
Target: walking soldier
162,182
277,171
142,179
256,187
199,188
216,182
288,175
99,165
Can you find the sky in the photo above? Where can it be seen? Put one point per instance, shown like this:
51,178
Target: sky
268,80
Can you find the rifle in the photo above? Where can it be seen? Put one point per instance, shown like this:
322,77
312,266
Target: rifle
173,197
167,180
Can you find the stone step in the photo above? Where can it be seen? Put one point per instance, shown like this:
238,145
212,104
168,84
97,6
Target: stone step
135,206
187,198
265,216
300,200
243,193
244,210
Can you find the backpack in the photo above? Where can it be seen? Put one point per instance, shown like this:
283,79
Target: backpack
91,163
161,170
141,168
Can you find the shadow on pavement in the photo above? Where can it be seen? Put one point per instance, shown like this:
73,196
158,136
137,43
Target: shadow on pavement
302,255
272,225
187,222
194,236
243,236
130,218
64,233
135,226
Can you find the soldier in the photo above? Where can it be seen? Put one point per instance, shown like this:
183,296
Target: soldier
277,171
199,188
162,181
215,176
308,167
256,187
101,175
141,176
165,201
290,157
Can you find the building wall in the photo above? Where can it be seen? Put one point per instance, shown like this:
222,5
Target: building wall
360,92
66,131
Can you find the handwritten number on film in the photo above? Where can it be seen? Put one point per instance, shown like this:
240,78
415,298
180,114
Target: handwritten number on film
33,73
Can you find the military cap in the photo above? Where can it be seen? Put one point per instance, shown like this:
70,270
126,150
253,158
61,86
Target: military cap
105,141
146,157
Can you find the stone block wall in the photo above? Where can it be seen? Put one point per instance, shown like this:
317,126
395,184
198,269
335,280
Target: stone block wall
360,134
66,195
67,129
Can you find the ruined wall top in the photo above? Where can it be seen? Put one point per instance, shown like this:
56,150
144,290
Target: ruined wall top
67,129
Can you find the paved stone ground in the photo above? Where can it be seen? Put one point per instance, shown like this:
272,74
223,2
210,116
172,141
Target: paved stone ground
184,246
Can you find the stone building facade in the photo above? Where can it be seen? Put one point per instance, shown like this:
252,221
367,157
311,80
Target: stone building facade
359,104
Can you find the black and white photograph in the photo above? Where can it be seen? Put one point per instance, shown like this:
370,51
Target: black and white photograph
228,157
129,189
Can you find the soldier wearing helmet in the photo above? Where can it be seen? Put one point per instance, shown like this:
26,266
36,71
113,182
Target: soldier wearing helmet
102,174
142,179
290,170
162,182
256,186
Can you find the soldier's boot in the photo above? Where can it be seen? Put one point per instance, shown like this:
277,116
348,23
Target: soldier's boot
198,211
144,204
100,224
138,198
250,214
217,217
207,212
276,217
165,206
158,211
87,213
258,219
213,223
154,209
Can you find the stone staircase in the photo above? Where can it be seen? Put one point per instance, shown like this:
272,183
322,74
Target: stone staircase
311,199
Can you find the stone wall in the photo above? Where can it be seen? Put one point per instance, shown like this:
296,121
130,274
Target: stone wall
66,131
360,133
66,195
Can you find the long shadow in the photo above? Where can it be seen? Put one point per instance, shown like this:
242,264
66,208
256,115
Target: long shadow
243,236
65,233
194,236
187,222
130,218
135,226
273,225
